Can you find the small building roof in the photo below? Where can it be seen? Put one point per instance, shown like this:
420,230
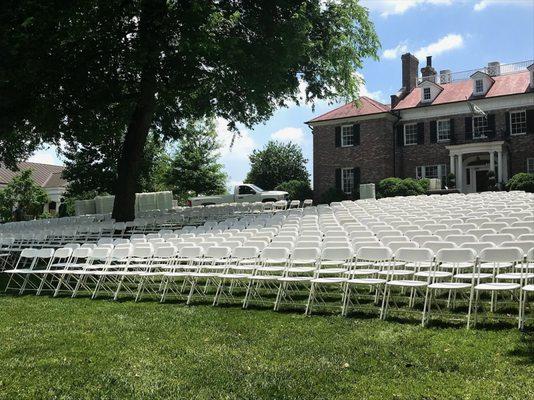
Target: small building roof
367,106
44,175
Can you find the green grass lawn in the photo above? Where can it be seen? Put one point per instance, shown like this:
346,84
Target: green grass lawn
79,348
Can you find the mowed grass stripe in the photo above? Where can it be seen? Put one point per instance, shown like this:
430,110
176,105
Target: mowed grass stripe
81,349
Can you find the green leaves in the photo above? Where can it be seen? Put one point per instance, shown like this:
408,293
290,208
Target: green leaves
24,193
277,163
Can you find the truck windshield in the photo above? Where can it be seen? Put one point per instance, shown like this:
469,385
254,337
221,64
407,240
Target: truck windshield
256,188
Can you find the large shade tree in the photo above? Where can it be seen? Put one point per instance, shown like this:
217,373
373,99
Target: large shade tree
82,68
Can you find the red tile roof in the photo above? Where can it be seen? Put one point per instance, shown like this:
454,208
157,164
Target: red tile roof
367,106
45,175
460,91
504,85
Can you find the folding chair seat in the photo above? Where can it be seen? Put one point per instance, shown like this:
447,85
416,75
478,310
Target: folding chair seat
420,259
240,267
364,274
498,256
456,259
299,273
151,277
77,262
526,290
213,263
333,264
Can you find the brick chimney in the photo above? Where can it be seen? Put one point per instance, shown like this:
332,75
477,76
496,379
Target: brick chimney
410,67
428,73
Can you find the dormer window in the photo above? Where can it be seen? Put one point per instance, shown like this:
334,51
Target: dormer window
479,86
429,91
482,83
426,94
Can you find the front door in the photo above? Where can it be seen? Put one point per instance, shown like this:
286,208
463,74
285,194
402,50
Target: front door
482,181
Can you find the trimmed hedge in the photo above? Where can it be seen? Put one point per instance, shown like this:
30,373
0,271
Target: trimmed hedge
391,187
298,190
521,181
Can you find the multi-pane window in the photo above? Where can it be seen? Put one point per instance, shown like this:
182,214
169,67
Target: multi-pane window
444,130
480,127
530,165
518,122
431,171
347,138
479,86
426,93
410,134
347,180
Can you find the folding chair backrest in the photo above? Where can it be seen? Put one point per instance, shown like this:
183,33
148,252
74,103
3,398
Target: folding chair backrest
245,252
394,246
436,246
306,253
165,252
374,254
477,246
414,255
524,245
82,252
64,252
218,252
336,253
501,254
456,256
460,239
276,253
497,238
190,251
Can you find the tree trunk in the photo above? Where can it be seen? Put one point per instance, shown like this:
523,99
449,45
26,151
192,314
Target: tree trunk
150,36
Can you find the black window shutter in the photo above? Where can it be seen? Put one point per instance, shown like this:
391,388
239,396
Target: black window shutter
357,177
468,128
400,135
338,136
338,178
421,133
452,135
433,132
491,125
356,134
530,121
508,126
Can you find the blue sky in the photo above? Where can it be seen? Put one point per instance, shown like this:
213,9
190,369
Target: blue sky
459,34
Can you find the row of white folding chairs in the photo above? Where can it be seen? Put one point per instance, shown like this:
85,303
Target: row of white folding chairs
324,269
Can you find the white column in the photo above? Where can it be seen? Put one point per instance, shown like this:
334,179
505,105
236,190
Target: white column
499,167
459,174
505,167
492,161
451,169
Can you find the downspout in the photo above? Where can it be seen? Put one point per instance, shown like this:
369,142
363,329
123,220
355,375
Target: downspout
396,114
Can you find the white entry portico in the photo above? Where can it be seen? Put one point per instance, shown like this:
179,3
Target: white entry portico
468,160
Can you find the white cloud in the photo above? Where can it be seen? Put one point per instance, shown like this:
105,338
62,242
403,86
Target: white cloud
398,7
483,4
395,52
289,134
447,43
46,155
242,146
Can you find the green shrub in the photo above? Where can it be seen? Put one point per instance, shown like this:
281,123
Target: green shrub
298,190
388,187
451,180
331,195
521,181
391,187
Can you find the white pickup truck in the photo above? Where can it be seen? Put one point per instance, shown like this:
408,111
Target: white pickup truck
242,193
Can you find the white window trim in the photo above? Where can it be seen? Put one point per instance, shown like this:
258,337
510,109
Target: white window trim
510,116
485,136
350,129
404,136
429,94
351,170
437,130
441,171
479,91
529,161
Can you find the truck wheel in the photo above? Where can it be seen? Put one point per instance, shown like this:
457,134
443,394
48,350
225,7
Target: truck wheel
208,204
268,200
